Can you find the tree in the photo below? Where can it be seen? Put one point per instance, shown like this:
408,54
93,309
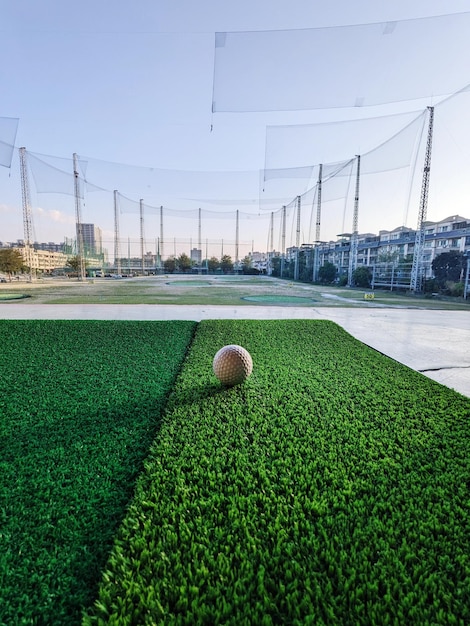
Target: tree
276,266
327,273
226,263
74,263
362,277
169,265
246,264
11,261
183,262
305,266
448,266
213,264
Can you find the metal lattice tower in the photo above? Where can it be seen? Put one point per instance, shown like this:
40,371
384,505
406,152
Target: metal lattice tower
283,236
297,239
319,186
237,233
78,220
27,213
297,232
161,233
141,212
199,232
117,253
355,227
271,233
417,267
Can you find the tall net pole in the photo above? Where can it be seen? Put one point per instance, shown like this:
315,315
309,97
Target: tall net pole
270,250
117,254
272,231
27,214
199,241
78,220
161,232
467,274
319,186
297,240
283,233
297,231
283,238
355,227
237,235
416,281
141,213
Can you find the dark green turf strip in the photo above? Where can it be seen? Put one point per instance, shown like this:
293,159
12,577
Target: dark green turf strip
331,488
80,403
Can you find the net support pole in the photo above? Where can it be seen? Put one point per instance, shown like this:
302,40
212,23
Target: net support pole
355,226
467,274
161,232
283,238
117,253
237,235
27,214
141,212
271,246
78,221
199,240
418,253
297,240
319,186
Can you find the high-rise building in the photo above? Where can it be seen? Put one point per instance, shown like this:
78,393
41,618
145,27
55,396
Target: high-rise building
196,256
92,239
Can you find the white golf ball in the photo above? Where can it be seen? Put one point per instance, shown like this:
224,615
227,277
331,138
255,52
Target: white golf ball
232,365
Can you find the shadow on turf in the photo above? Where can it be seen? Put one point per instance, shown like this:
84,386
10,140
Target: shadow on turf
58,510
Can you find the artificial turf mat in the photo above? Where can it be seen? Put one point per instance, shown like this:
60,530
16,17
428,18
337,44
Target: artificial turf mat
332,487
80,404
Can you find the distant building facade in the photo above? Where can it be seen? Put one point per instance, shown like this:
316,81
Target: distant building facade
196,256
452,233
391,247
92,237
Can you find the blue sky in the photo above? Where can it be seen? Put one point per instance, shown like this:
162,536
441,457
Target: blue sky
131,83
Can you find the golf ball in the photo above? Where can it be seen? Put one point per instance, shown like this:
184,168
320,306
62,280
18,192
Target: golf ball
232,365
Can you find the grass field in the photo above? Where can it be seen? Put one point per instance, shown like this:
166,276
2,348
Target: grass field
330,488
215,290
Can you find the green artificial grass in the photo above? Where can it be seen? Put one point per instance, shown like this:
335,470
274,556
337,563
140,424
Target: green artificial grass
332,487
13,296
80,404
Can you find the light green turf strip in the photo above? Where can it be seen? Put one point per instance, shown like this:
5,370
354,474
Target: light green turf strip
80,404
330,488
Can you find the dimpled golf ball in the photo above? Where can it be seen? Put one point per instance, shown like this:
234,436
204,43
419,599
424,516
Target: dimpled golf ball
232,365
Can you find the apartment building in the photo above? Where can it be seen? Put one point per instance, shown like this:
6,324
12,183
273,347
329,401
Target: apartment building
451,233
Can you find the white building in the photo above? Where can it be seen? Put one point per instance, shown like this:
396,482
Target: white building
42,261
